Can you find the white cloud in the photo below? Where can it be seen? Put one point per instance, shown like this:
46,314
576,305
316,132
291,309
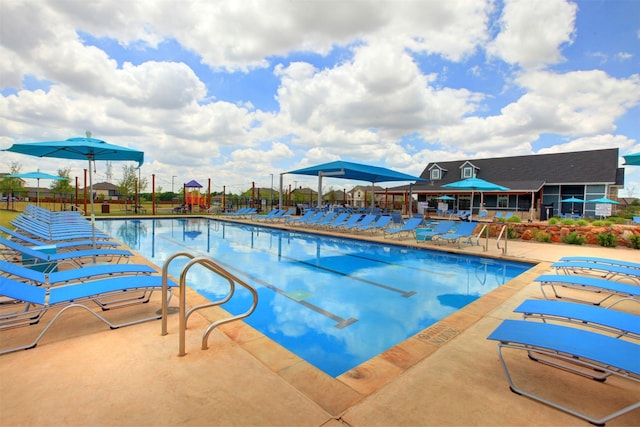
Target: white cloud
532,32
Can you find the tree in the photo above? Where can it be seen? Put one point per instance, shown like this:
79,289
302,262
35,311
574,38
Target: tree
62,186
10,186
127,185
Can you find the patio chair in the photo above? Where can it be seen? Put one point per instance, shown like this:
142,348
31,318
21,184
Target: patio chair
39,300
599,287
283,214
407,228
424,234
617,323
498,216
48,262
324,220
604,271
636,219
464,230
583,352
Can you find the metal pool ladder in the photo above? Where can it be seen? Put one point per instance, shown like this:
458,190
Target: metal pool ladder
184,314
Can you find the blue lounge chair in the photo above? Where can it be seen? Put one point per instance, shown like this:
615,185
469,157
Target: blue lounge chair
304,217
600,287
78,275
338,220
48,262
380,224
636,219
408,228
606,261
317,216
325,220
604,271
283,215
618,323
424,234
365,220
464,230
351,222
71,245
498,216
270,215
579,351
38,300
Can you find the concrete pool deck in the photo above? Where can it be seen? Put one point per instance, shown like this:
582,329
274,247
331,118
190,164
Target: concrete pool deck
82,373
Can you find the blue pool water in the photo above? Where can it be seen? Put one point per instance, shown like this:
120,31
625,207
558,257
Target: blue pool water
334,302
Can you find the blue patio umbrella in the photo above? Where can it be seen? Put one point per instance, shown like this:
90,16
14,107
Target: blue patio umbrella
354,171
572,200
37,176
445,197
604,200
80,148
473,185
632,159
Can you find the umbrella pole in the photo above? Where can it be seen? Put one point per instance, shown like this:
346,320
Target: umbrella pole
93,216
38,192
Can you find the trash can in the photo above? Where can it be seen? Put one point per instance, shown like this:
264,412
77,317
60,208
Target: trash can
105,208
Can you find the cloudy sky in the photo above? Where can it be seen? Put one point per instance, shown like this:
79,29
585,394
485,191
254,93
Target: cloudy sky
240,91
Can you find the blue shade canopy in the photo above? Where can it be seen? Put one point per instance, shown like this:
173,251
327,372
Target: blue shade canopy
475,184
632,159
445,197
355,171
193,184
604,200
81,148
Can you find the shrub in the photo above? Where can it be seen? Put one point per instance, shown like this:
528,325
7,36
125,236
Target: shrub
582,222
598,223
607,240
542,236
567,221
574,238
553,220
635,241
511,233
514,218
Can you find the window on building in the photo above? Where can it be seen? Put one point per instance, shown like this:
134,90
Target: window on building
435,173
467,172
503,202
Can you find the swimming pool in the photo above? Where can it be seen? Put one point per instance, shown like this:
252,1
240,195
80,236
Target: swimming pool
335,302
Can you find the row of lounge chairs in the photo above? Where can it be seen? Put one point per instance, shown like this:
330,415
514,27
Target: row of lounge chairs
41,273
581,336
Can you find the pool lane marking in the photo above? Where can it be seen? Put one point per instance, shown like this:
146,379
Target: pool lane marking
405,294
341,322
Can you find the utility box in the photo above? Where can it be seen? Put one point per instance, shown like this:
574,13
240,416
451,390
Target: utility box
105,208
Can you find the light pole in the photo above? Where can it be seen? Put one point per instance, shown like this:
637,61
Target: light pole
172,193
271,194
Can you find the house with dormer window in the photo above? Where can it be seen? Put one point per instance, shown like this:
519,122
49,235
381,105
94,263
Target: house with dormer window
537,183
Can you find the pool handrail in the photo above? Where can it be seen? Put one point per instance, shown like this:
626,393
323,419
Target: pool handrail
211,265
